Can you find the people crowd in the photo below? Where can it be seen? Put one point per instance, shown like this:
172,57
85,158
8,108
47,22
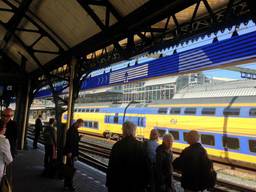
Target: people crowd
134,166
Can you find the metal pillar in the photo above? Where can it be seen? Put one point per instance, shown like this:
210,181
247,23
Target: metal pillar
23,101
71,93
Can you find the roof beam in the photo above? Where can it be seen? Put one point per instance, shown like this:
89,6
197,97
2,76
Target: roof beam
15,20
148,14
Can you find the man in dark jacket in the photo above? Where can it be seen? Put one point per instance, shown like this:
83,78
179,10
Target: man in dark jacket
38,129
164,169
11,129
194,165
50,146
71,150
127,168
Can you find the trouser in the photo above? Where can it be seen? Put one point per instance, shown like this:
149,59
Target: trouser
68,180
9,173
37,135
48,155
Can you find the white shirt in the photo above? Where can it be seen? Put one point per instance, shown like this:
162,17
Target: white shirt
5,154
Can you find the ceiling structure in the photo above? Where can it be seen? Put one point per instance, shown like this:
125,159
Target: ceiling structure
41,36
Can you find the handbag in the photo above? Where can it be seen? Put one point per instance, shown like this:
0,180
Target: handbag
5,184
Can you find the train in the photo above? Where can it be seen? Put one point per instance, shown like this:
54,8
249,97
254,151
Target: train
226,124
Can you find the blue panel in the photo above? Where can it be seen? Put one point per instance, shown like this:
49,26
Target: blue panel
236,48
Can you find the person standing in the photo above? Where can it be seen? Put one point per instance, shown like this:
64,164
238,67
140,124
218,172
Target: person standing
49,146
5,150
11,129
195,166
38,129
71,151
164,168
150,148
127,168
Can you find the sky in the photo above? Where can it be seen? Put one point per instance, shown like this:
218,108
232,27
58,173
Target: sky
226,73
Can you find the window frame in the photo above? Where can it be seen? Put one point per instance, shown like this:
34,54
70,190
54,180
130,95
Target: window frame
249,145
208,135
228,147
207,109
232,108
174,109
187,109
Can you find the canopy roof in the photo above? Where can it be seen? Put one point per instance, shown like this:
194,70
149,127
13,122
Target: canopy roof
39,35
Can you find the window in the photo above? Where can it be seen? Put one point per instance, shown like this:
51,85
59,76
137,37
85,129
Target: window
252,112
185,136
89,124
83,110
86,123
87,110
162,110
230,143
97,110
75,110
207,139
95,124
208,111
140,121
91,110
107,119
190,111
161,132
175,110
252,146
115,119
175,135
79,110
231,112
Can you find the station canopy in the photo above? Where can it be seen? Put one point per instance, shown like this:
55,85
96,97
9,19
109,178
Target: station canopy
44,35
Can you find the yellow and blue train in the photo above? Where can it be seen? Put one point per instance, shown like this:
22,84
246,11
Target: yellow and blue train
227,124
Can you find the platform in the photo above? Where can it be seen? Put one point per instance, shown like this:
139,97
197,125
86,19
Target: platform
28,167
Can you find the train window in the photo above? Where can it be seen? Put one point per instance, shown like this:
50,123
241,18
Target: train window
185,136
75,110
253,112
190,111
97,110
208,111
89,124
252,145
107,119
231,112
175,135
91,110
95,124
162,110
86,123
230,143
207,139
87,110
161,132
115,119
175,110
79,110
83,110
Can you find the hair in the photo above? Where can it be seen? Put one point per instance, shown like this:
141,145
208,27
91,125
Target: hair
193,136
129,129
154,134
168,136
2,124
8,110
78,121
51,121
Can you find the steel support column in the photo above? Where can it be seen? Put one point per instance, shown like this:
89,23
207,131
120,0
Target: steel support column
23,103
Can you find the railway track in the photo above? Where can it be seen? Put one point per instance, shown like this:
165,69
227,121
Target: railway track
86,148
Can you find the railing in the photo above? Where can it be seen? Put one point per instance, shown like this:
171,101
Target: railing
86,148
